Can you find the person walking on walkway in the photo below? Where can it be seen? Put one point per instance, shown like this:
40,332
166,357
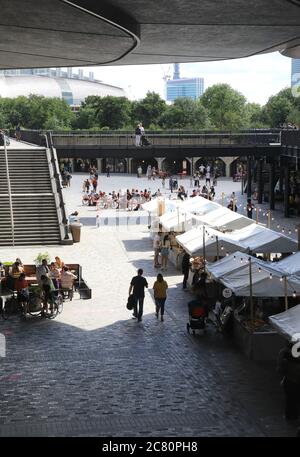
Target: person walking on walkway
207,177
250,208
165,249
156,247
160,295
137,287
185,267
108,171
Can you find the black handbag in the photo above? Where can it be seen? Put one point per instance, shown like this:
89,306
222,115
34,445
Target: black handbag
130,302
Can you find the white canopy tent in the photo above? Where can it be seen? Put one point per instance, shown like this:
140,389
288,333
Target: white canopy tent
260,239
215,243
199,205
224,219
176,221
151,206
287,323
290,264
234,272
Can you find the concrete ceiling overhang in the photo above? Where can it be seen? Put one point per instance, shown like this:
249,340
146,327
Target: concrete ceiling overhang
57,33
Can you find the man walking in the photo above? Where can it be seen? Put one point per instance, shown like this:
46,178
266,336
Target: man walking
185,267
137,287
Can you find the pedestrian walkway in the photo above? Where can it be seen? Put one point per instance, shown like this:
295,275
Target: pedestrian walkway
94,371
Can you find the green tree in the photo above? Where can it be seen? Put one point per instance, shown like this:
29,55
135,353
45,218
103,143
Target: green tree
278,107
148,110
185,113
112,112
254,116
226,106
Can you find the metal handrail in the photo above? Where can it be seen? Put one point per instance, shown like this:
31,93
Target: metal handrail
57,180
9,191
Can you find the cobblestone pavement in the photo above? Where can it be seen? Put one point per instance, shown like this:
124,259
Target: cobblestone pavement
94,371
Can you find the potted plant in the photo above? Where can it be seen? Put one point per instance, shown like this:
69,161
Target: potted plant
41,256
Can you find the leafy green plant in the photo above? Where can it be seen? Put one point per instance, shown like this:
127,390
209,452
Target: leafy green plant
41,256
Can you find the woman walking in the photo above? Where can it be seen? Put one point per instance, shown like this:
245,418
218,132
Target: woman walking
160,295
165,248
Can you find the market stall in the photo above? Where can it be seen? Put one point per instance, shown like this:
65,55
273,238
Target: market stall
206,241
256,280
224,219
176,221
287,323
259,239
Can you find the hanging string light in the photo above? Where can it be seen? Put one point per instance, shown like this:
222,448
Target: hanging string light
281,279
294,294
271,276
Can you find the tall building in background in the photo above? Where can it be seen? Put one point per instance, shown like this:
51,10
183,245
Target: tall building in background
183,87
295,74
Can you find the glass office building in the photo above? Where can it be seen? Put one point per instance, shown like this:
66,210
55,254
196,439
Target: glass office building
295,75
183,87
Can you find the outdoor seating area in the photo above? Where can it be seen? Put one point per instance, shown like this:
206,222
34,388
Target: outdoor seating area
31,289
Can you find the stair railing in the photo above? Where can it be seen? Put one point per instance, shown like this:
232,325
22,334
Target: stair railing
9,190
56,173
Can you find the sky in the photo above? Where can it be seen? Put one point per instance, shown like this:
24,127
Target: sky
257,78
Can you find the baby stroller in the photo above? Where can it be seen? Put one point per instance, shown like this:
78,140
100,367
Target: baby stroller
197,314
145,141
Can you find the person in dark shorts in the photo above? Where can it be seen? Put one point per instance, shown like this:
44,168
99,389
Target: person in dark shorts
137,288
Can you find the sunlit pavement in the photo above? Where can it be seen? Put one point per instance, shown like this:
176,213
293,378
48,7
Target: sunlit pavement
94,371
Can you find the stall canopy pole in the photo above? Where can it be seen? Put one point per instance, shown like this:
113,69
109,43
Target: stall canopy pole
223,198
269,219
298,237
250,284
256,215
217,241
204,256
285,294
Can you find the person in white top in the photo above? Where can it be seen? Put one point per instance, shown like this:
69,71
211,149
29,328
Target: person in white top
67,280
202,169
156,247
207,178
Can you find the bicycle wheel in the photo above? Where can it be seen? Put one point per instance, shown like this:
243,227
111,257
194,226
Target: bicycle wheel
35,305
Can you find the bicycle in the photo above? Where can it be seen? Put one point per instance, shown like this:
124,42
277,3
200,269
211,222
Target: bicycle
38,301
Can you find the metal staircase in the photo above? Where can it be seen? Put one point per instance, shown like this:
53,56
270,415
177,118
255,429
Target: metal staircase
29,206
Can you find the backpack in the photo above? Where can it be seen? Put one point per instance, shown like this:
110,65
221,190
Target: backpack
137,131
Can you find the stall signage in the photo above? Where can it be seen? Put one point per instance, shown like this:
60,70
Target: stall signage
227,293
